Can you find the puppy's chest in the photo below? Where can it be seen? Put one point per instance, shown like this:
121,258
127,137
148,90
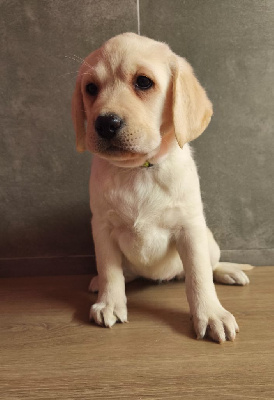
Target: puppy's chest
142,206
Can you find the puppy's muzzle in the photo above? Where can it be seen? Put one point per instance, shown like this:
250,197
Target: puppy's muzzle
107,126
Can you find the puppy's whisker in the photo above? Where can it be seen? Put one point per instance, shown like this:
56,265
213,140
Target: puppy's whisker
82,60
73,58
86,73
68,73
78,59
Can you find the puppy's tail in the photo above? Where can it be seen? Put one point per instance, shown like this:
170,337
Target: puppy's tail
242,267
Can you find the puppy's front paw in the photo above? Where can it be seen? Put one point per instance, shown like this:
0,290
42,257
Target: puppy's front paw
107,314
217,323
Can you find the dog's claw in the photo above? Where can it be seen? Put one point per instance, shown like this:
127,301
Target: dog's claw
107,315
219,326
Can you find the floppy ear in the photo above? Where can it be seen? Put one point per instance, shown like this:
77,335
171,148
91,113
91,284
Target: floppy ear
78,116
192,109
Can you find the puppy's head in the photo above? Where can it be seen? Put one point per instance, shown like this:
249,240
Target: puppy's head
133,97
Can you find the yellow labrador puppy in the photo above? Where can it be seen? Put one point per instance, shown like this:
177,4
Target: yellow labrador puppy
135,107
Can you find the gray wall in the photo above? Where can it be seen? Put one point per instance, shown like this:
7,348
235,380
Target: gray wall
45,218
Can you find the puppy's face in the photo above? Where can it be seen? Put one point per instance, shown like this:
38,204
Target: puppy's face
125,88
123,102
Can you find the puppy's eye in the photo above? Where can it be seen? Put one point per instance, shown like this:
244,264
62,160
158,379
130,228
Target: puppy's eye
92,89
143,82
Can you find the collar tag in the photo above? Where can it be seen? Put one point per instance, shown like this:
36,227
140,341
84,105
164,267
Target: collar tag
147,164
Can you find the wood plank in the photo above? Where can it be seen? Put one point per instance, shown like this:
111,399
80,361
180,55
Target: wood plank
49,350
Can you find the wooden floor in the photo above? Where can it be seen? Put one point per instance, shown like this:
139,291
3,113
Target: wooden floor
49,350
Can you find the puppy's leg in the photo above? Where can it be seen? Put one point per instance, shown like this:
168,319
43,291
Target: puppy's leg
226,273
181,276
94,283
208,314
111,303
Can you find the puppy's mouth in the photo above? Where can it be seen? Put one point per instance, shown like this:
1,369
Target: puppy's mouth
117,152
126,152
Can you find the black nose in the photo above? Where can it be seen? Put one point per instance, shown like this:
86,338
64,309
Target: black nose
107,126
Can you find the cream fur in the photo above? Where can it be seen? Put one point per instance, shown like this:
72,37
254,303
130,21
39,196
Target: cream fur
149,221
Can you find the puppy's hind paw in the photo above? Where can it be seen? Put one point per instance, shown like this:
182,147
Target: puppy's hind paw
94,285
230,274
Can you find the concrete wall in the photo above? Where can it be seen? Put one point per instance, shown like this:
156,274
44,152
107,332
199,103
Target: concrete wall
44,183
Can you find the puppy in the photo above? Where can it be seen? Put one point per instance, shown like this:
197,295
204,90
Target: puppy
136,106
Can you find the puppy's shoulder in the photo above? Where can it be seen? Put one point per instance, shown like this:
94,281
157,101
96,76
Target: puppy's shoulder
179,163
